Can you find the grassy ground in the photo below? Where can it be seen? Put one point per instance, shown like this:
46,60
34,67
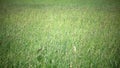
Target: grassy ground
59,34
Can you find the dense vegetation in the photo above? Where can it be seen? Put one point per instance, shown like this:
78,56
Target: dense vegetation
59,34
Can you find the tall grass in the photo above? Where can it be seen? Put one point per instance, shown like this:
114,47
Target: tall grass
59,36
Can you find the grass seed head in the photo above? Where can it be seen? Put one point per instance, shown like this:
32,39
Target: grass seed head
74,49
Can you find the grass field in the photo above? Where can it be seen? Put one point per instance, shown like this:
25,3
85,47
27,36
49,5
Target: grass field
60,34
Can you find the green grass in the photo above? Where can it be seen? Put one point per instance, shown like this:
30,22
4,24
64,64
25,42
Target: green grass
59,34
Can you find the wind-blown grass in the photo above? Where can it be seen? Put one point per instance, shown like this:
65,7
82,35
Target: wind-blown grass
58,36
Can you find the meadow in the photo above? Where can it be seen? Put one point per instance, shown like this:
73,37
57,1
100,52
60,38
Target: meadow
60,34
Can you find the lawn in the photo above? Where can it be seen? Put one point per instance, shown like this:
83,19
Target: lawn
59,34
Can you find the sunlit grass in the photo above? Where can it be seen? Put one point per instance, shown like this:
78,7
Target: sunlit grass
59,37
